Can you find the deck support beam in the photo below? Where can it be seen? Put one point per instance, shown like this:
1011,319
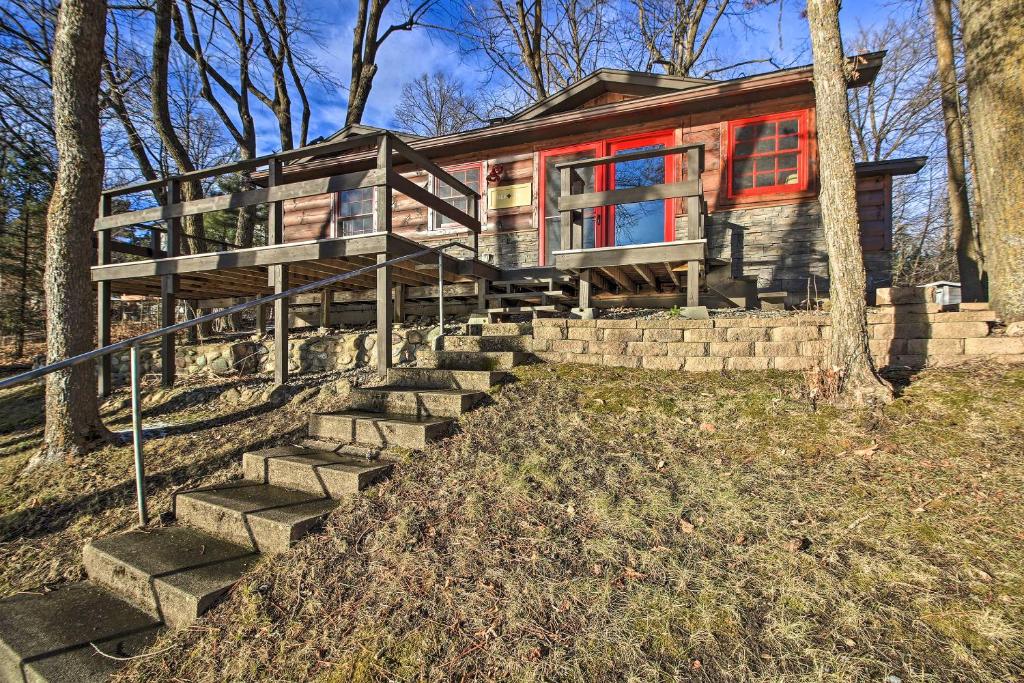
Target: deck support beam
382,197
483,286
385,316
325,307
168,286
279,281
585,289
399,299
261,319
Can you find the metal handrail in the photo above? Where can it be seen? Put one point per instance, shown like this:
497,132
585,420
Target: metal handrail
134,344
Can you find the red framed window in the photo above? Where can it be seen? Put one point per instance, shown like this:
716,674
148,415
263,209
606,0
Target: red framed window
624,224
472,176
768,154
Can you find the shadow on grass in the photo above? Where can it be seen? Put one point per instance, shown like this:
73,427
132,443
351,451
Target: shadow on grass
61,514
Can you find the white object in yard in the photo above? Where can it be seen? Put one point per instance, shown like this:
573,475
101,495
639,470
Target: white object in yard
945,292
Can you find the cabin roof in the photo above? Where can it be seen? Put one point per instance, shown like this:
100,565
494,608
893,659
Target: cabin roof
908,166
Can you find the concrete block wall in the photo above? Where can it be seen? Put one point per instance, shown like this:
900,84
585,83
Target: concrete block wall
914,335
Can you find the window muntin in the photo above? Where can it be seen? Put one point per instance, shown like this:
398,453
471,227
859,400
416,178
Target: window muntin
768,154
469,176
355,212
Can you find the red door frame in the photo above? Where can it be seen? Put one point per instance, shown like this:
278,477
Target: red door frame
597,147
604,217
663,137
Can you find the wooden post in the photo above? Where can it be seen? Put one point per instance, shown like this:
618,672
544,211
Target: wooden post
474,211
399,298
103,384
168,286
325,307
382,223
279,275
585,289
694,223
385,314
482,287
261,319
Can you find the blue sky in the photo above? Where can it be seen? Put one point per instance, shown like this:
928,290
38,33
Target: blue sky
406,55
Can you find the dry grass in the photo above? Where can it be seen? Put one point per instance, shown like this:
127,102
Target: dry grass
600,524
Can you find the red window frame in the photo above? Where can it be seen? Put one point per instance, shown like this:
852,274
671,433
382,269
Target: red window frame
663,137
604,179
802,152
597,146
439,221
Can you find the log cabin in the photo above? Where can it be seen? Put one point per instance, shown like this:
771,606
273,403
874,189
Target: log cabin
624,189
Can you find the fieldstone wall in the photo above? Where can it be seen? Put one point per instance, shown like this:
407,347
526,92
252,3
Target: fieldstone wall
911,335
341,351
513,249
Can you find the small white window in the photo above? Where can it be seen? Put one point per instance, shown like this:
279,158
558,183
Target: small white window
355,212
469,176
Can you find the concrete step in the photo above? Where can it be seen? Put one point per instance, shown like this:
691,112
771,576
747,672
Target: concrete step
399,400
491,343
471,360
176,573
375,429
315,472
434,378
264,517
46,637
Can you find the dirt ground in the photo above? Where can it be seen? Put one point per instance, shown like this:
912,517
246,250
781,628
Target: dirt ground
593,524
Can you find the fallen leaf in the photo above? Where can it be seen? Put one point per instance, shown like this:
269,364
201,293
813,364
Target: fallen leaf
686,527
866,452
707,427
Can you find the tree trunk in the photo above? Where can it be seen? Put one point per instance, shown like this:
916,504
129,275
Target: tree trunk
968,246
72,413
995,91
849,358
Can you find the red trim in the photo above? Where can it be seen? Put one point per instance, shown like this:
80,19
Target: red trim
802,151
544,155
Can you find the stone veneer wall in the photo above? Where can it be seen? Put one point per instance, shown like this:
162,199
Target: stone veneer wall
310,354
908,335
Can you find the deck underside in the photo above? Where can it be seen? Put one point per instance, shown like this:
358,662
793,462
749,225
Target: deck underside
651,267
244,273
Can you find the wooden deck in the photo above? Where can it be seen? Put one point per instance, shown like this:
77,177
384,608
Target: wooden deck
245,272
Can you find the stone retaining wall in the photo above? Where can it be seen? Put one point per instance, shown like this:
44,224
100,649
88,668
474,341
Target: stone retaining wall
906,335
341,351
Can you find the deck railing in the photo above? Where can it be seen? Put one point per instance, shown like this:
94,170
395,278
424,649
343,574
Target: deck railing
384,179
571,203
134,345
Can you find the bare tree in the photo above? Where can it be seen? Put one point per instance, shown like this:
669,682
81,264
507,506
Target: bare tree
994,51
367,39
968,244
435,104
849,358
72,415
538,47
159,94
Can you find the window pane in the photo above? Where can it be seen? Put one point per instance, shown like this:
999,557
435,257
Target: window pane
747,132
744,149
787,161
788,178
764,164
789,127
766,145
742,181
789,142
765,179
743,167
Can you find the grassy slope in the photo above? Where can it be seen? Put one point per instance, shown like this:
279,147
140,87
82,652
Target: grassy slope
600,524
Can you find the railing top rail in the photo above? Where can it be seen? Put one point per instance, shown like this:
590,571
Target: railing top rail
630,156
354,142
209,317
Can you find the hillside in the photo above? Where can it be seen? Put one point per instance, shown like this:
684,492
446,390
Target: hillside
599,524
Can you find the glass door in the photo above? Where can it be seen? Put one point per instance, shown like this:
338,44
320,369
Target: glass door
648,221
551,190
